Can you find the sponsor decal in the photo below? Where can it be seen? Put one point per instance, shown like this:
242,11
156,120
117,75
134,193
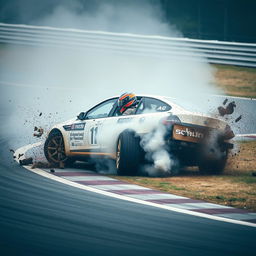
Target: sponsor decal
76,136
78,127
76,144
67,127
189,133
124,120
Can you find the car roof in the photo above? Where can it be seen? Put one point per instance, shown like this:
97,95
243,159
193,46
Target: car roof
165,99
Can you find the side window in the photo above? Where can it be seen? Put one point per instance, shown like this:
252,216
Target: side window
115,111
102,110
151,105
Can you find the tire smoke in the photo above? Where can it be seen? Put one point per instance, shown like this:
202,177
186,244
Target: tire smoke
60,82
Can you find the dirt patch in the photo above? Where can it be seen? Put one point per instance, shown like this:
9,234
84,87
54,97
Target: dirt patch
236,81
235,187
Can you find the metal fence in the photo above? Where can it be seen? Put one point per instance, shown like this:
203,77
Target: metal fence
241,54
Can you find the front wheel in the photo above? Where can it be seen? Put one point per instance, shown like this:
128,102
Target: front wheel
54,150
128,153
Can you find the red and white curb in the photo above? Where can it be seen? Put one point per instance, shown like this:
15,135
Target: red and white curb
101,184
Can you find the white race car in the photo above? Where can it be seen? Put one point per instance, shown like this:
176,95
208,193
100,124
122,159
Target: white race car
192,139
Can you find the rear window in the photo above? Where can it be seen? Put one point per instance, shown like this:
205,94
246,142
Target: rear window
151,105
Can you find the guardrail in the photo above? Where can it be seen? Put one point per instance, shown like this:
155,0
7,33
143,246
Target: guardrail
240,54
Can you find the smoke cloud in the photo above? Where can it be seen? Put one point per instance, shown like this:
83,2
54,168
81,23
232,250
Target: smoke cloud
60,82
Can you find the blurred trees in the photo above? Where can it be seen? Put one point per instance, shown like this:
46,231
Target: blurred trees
229,20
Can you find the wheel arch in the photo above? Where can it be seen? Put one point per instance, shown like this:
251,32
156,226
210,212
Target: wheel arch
125,130
55,130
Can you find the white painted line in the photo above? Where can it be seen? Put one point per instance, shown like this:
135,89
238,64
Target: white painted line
156,196
238,216
87,178
194,206
134,200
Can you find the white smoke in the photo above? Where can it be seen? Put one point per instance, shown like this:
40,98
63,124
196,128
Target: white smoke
63,82
153,144
137,17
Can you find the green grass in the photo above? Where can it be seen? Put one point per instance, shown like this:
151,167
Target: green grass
234,68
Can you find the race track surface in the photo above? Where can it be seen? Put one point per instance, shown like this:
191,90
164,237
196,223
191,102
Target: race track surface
43,217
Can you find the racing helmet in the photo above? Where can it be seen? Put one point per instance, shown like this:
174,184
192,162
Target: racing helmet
125,101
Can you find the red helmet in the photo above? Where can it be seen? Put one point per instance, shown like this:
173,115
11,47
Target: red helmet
126,100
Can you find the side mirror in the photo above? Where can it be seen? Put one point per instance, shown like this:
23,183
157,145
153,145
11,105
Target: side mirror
81,116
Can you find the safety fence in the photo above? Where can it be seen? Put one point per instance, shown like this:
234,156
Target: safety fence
240,54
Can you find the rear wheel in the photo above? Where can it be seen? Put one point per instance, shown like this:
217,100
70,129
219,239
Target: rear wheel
128,153
54,150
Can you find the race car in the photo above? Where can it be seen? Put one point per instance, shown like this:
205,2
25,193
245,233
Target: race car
101,132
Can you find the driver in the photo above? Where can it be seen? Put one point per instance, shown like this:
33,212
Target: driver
127,104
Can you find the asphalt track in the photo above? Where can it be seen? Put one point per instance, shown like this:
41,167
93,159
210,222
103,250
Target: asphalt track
43,217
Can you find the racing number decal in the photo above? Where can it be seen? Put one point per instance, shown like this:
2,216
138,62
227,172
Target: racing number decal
94,133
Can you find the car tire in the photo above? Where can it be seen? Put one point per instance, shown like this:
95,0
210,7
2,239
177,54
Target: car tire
213,164
54,150
128,153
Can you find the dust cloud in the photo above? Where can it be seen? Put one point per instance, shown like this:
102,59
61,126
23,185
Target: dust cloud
60,83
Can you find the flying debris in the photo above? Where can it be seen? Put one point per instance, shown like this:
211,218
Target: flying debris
228,110
20,155
238,119
225,101
41,165
26,161
38,132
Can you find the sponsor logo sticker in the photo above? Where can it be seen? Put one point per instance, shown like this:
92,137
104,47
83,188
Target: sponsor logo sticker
190,134
79,126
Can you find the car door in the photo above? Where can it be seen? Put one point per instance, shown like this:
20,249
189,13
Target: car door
84,132
95,119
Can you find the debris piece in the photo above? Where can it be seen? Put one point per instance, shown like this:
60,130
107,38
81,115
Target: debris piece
228,110
11,150
39,132
40,113
238,119
225,101
14,157
26,161
20,155
41,165
52,170
222,111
